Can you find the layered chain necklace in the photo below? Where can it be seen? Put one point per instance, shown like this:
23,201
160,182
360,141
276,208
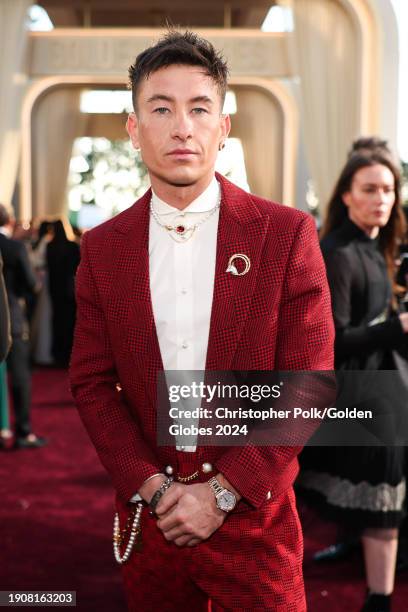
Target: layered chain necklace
182,232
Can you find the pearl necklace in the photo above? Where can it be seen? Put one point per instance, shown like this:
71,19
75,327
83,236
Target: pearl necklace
182,233
134,532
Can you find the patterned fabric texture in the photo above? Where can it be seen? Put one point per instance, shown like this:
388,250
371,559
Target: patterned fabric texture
278,316
254,562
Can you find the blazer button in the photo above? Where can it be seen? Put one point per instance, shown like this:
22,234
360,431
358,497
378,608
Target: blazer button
206,467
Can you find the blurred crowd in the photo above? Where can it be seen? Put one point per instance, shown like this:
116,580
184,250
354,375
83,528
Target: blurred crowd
39,265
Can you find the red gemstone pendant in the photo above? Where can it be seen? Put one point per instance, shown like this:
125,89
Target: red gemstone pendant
180,229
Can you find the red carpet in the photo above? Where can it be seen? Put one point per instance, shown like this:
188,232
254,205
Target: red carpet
56,520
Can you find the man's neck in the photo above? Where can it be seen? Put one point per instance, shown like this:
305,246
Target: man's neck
179,196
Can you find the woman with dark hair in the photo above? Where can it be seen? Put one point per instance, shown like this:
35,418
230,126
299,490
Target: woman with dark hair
62,261
364,487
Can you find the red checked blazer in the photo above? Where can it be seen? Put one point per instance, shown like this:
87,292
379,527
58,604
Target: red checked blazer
277,316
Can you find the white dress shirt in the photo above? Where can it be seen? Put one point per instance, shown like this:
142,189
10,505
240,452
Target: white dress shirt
182,284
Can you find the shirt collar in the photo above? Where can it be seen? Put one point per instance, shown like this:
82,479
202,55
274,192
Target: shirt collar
204,203
5,231
356,232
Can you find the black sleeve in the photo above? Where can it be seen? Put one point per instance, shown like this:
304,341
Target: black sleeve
353,339
4,317
26,275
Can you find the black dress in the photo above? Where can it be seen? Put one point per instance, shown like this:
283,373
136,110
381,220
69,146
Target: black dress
62,260
363,486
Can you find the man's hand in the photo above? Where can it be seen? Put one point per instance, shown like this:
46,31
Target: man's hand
188,514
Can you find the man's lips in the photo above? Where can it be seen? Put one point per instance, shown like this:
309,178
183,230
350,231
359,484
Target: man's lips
182,152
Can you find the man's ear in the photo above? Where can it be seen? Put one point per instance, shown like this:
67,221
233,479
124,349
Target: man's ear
132,127
225,126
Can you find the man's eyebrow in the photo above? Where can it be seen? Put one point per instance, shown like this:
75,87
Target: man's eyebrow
156,97
205,99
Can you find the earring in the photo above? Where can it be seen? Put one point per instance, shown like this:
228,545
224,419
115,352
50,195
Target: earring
221,146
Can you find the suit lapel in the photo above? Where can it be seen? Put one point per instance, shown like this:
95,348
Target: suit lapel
241,229
132,276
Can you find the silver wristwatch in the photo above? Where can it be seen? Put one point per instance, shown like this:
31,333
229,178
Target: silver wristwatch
224,498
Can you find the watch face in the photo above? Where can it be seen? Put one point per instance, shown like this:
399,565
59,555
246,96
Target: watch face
226,501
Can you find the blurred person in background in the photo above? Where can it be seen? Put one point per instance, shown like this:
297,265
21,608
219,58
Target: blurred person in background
4,317
366,145
364,487
5,340
41,332
23,232
20,281
78,233
62,257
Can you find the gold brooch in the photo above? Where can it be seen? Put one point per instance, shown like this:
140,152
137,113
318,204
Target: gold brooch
232,269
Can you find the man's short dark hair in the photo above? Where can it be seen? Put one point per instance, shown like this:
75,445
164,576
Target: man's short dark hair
5,216
177,48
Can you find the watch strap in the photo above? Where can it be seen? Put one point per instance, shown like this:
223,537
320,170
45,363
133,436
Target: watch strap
216,486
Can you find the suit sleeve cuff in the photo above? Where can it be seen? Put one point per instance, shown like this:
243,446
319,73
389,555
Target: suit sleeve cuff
136,497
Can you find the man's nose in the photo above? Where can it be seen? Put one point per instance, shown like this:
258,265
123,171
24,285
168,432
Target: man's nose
182,126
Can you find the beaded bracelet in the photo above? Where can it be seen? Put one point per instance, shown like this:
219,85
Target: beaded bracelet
159,493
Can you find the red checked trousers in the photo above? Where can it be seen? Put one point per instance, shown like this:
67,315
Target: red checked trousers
254,561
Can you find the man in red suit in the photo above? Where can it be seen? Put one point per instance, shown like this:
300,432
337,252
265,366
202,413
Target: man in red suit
196,275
